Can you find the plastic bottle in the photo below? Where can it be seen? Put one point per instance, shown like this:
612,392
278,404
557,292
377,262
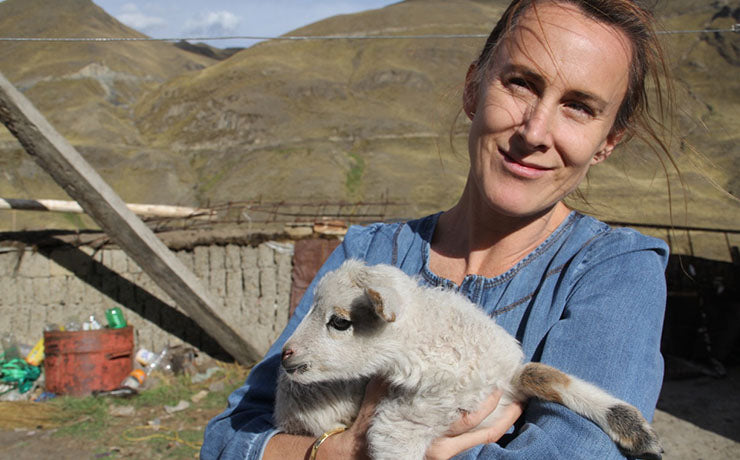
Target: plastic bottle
115,318
72,325
10,347
145,357
36,355
91,324
135,379
159,363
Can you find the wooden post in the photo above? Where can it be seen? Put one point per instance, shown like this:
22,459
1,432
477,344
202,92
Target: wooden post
62,161
150,210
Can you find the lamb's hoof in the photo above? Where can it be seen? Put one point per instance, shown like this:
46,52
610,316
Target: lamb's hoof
632,433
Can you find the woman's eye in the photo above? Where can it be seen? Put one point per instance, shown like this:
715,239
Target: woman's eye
518,83
339,323
581,107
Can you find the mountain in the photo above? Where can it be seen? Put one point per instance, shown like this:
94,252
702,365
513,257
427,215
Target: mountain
327,120
87,90
330,120
207,50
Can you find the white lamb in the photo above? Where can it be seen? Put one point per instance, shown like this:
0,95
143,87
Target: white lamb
439,353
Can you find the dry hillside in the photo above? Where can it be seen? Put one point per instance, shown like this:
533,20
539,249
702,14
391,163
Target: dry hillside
336,120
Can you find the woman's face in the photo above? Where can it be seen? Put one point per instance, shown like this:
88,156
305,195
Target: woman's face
543,114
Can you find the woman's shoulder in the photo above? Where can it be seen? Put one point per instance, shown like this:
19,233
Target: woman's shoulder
377,241
598,241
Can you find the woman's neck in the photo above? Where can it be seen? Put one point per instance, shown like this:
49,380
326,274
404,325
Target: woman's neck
473,239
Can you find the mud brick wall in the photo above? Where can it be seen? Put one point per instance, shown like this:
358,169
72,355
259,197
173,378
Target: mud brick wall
54,285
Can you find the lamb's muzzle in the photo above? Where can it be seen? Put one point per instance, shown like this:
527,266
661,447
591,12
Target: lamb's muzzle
291,363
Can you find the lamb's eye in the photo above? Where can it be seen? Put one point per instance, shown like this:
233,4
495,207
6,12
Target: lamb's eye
339,323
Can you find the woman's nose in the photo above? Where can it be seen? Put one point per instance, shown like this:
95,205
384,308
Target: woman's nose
536,126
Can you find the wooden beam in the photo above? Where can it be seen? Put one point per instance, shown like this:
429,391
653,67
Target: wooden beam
150,210
62,161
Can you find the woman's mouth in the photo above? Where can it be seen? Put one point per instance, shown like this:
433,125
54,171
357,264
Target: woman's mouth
523,169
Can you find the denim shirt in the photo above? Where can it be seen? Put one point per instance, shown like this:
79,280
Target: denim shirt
589,300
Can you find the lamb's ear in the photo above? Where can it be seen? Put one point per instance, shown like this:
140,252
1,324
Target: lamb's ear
382,305
377,283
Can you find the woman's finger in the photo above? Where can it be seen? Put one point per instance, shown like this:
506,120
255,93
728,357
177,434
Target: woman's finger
494,432
448,446
376,389
469,420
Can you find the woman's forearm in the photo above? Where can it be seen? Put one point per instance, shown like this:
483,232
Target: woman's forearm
294,447
288,447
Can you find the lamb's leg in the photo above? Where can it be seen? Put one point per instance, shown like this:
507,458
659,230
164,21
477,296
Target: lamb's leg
401,440
621,421
402,429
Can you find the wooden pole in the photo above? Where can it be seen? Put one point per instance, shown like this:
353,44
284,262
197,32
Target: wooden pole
152,210
60,159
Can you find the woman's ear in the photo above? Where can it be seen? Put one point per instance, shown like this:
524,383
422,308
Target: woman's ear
612,140
470,94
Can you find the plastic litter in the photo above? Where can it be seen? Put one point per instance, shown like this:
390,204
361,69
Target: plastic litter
45,396
36,356
145,357
203,376
92,324
115,318
18,373
124,392
10,347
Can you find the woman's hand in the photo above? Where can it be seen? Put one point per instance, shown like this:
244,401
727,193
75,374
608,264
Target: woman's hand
465,433
352,443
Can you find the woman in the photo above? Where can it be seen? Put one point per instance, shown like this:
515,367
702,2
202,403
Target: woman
557,86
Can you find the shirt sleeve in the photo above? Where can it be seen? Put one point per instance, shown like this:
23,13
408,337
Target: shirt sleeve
608,334
244,428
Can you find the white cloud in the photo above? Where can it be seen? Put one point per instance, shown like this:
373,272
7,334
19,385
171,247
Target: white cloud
133,17
213,23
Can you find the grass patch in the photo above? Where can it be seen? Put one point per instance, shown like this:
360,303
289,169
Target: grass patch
166,443
149,432
354,175
82,417
208,182
169,391
217,399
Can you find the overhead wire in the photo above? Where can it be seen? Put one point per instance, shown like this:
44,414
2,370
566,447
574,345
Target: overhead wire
734,28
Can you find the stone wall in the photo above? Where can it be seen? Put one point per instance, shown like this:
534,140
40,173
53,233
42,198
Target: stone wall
55,284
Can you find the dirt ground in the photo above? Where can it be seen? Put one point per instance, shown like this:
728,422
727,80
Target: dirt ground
145,426
697,419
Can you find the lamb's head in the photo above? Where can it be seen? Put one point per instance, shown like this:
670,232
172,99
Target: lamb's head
345,335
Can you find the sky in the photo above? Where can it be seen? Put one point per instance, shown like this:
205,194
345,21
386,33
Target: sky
197,18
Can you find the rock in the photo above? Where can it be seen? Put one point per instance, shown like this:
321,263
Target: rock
182,405
121,411
215,387
198,397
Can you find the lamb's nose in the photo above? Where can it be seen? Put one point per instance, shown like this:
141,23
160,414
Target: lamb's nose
287,353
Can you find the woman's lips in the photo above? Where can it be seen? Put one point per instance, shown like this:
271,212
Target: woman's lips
524,170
